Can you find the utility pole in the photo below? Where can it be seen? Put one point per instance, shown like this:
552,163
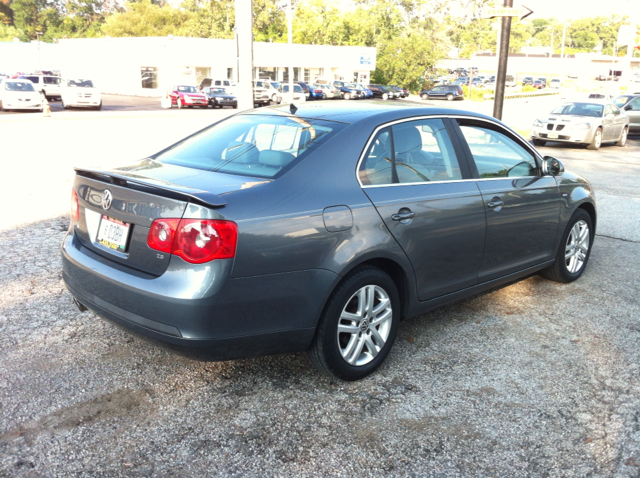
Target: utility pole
39,59
244,37
290,48
505,34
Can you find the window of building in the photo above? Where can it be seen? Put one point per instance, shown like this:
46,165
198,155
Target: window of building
230,73
149,77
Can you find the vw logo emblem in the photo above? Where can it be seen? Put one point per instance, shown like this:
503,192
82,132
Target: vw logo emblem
107,197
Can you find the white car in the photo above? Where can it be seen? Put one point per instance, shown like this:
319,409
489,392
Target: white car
298,93
48,85
19,95
81,93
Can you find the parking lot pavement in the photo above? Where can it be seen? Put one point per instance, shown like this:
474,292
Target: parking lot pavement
536,379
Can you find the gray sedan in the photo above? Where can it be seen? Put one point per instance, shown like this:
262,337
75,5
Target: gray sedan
589,123
319,228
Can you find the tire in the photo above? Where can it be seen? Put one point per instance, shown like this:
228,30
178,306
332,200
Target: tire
179,103
596,142
623,137
424,96
2,107
570,265
99,107
385,96
274,98
347,96
64,105
359,348
539,142
449,97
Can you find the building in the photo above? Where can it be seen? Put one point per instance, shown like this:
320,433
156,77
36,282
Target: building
149,66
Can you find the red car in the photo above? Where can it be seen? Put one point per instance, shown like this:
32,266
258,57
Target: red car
189,96
539,84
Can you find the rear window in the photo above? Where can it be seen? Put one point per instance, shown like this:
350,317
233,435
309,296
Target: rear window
251,145
51,80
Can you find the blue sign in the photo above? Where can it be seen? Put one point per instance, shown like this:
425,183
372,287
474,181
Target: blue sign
365,60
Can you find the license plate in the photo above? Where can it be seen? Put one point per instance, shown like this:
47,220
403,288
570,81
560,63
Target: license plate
113,233
553,135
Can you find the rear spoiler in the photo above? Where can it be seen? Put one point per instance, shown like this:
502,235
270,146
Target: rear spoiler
121,178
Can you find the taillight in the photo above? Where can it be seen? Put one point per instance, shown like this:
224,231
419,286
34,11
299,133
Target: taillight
195,240
75,206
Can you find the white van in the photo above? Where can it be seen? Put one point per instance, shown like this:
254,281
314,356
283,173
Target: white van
80,92
228,85
49,86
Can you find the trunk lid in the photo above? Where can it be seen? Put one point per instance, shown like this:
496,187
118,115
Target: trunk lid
118,206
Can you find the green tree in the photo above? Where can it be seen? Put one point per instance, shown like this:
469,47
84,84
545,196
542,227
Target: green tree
143,19
32,16
8,32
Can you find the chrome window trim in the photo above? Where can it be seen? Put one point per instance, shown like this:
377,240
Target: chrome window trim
535,153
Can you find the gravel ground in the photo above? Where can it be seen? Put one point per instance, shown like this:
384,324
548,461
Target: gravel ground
536,379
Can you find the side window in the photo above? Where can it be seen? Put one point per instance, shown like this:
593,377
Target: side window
423,152
635,104
615,110
376,166
496,155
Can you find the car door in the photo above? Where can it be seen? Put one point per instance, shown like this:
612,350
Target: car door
437,92
608,124
618,122
632,110
522,206
421,185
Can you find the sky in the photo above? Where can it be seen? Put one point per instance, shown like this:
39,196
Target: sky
570,9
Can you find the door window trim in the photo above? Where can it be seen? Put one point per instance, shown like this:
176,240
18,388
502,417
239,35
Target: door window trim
460,146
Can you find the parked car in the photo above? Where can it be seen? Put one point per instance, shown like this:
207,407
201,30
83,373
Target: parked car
544,81
401,92
277,232
80,93
219,98
262,93
538,84
49,86
367,92
348,90
528,80
380,91
590,123
330,91
607,97
189,96
298,93
271,89
310,92
555,83
446,92
19,95
630,104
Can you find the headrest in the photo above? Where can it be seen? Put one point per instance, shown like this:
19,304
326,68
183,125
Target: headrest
241,152
278,159
407,140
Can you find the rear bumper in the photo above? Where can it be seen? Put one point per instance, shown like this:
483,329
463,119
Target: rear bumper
201,312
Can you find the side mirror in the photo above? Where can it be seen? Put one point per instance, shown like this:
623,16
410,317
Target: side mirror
552,166
628,107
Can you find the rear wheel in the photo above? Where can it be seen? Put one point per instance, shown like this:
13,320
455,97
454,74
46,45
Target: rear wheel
99,107
2,107
596,142
347,96
424,96
358,327
385,96
449,97
574,250
539,142
623,137
179,103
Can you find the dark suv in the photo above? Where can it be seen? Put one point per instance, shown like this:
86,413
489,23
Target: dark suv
528,80
448,92
380,91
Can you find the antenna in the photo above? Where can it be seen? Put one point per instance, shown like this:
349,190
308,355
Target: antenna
293,108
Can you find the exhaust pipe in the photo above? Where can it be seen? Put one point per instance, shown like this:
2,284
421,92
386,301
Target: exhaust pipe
81,307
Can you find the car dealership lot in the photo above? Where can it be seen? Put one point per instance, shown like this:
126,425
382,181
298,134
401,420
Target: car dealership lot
537,379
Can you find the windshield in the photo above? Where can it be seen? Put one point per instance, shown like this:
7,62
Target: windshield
80,83
352,85
251,145
18,86
218,91
622,100
275,84
339,84
187,89
579,109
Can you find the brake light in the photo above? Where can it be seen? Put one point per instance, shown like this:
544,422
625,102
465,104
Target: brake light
75,206
195,240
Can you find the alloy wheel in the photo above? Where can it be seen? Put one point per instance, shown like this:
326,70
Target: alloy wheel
577,247
364,325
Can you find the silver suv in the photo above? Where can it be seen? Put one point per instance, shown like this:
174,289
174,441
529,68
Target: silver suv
49,86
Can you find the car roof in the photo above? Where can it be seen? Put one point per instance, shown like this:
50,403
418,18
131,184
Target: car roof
364,110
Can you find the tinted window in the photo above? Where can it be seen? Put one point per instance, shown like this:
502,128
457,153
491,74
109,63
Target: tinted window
422,152
251,145
18,86
635,104
33,79
51,80
496,155
579,109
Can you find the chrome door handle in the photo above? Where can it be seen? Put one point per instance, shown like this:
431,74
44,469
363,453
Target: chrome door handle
403,216
494,203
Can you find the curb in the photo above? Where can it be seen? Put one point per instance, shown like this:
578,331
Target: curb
523,95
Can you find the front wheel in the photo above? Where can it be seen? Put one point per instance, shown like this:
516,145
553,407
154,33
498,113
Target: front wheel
425,96
539,142
99,107
347,96
449,97
574,250
596,142
623,138
385,96
358,327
